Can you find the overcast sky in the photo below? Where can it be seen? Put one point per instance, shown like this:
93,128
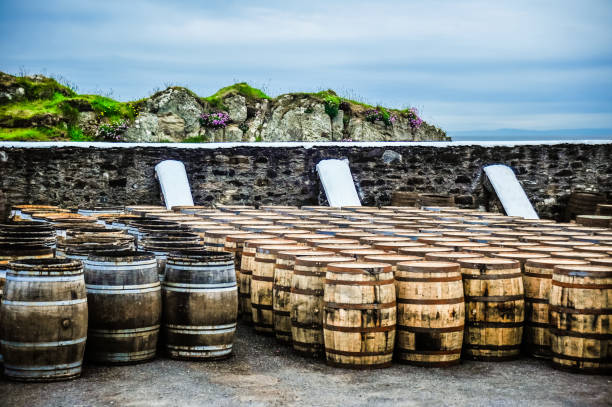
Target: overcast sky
467,65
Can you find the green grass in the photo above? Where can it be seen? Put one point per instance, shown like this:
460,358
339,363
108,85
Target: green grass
196,139
242,88
29,134
76,134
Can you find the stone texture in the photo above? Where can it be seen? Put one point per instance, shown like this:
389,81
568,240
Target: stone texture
236,107
144,129
171,126
295,118
181,102
72,176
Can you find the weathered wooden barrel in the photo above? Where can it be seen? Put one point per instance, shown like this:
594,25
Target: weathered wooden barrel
430,313
214,240
161,253
306,303
607,261
581,318
422,251
200,300
494,308
281,291
491,250
124,298
359,315
359,254
579,255
43,320
537,278
338,248
391,259
262,286
396,246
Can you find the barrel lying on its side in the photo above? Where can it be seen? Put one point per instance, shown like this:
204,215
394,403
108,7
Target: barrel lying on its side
44,320
124,297
200,300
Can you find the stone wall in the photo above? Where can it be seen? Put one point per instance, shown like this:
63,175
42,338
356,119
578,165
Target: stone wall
263,174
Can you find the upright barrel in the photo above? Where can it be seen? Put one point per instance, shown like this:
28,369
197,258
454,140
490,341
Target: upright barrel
359,315
494,308
124,297
430,313
581,318
306,298
44,320
200,305
537,280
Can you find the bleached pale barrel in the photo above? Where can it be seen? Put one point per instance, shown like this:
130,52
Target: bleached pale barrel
124,296
359,315
200,300
43,317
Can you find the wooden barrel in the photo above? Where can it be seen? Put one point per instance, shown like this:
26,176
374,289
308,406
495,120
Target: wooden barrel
451,256
580,255
359,254
435,200
281,291
396,246
494,308
124,298
200,300
581,318
600,221
537,278
359,315
430,313
262,284
214,240
422,251
404,198
391,259
43,318
306,302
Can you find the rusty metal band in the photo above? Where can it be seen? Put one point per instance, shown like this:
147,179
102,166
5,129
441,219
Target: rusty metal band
261,306
586,335
282,288
279,267
262,278
245,272
282,313
538,275
533,324
415,329
580,359
590,274
248,254
429,352
536,300
585,311
492,276
361,283
246,295
268,261
347,353
314,326
431,302
494,298
345,306
307,291
487,324
585,286
429,280
492,347
359,329
309,273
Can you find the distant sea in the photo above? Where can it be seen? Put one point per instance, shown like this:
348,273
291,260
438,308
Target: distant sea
531,135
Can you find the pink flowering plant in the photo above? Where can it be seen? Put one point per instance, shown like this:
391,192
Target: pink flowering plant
217,120
380,114
412,114
112,132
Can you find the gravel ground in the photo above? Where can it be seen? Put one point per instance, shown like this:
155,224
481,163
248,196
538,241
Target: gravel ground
263,373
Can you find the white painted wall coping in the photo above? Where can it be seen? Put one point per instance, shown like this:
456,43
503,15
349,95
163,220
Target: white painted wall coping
291,144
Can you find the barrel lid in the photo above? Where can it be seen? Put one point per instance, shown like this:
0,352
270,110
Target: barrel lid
546,249
521,256
359,267
275,248
263,242
424,250
245,236
594,248
124,256
391,258
440,239
594,271
292,254
362,252
220,233
397,245
53,264
378,238
604,261
489,263
333,241
429,266
579,255
319,261
199,256
491,250
551,262
254,222
492,239
451,256
515,244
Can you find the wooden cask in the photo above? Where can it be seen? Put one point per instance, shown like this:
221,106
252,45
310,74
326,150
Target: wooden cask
200,305
43,318
494,308
281,291
306,302
359,315
581,318
359,254
262,285
537,279
430,313
214,240
423,251
124,299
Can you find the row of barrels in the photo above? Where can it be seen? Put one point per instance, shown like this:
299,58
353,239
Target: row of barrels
315,219
108,308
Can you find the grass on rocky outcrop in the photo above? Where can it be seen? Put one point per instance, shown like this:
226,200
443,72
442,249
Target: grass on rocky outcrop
242,88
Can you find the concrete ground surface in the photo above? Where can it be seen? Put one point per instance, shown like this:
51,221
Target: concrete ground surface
263,373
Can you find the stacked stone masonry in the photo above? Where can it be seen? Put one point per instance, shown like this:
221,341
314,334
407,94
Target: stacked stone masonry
72,176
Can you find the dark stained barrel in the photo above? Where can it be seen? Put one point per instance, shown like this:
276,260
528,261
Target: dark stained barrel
43,318
200,300
124,297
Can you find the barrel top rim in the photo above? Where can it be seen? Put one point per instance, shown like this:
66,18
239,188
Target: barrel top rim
428,265
554,261
359,266
314,260
584,268
477,262
522,255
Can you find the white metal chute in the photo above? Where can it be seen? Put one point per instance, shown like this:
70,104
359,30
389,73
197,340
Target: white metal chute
174,183
338,184
509,191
